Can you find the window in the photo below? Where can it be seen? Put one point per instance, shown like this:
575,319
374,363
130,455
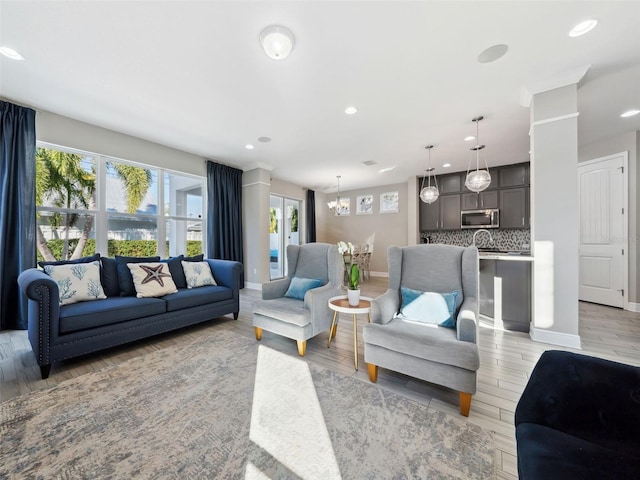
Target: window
89,203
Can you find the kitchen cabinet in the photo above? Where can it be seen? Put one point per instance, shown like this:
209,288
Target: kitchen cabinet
514,208
443,214
514,175
451,183
475,201
505,293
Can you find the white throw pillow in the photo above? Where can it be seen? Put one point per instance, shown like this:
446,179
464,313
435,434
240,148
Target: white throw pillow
152,279
77,282
198,274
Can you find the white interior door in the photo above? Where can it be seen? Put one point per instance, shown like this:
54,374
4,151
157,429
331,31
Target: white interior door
602,190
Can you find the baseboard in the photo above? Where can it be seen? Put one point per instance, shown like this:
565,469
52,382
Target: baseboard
555,338
632,307
379,274
253,286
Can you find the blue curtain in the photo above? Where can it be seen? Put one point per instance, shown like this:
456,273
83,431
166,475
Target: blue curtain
17,209
311,216
224,213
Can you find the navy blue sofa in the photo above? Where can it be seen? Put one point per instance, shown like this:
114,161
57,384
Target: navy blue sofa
579,417
61,332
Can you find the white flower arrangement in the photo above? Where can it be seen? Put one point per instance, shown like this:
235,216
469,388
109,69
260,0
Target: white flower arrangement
345,248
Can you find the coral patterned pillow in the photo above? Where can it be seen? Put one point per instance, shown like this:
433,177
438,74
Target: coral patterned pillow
77,282
198,274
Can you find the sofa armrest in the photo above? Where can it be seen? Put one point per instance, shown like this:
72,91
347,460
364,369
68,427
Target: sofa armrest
385,307
43,312
590,398
467,321
226,272
275,288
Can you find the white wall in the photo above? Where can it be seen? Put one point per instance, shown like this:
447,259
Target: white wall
64,131
628,142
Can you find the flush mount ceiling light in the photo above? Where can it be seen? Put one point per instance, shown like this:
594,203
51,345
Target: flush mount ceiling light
388,169
477,180
630,113
277,42
446,165
430,193
469,138
11,53
583,27
492,54
350,110
336,205
248,146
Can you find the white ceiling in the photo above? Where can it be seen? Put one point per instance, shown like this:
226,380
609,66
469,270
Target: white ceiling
192,75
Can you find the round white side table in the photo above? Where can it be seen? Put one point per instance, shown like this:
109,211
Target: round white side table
340,304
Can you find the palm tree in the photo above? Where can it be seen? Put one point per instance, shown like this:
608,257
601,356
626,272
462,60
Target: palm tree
62,181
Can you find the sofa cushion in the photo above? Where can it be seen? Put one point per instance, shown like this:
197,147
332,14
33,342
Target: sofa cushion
151,279
429,342
175,267
551,454
299,286
92,258
185,298
109,277
77,282
198,274
428,307
286,309
127,289
86,315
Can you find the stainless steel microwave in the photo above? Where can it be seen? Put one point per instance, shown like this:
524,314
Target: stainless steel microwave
487,218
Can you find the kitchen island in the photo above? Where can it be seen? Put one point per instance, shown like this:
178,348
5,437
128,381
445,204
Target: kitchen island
505,289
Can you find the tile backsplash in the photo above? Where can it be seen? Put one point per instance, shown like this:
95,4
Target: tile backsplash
510,239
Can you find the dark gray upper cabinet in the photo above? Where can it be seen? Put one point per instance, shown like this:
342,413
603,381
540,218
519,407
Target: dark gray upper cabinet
429,216
475,201
514,211
451,183
514,175
450,212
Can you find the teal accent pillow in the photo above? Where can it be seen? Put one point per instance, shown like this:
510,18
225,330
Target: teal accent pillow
299,286
428,307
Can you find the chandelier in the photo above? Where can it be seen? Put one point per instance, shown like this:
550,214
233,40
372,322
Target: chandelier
478,180
429,194
336,205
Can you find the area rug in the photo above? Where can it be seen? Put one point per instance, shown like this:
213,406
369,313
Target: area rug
226,407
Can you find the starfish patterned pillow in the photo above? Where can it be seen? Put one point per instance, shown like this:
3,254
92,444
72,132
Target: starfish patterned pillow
152,279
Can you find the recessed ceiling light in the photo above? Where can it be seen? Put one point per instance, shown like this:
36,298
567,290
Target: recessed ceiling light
388,169
446,165
630,113
350,110
248,146
583,27
492,54
264,139
277,42
11,53
469,138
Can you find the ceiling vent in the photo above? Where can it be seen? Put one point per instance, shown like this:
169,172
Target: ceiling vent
368,163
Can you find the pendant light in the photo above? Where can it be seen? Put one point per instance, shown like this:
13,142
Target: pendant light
335,205
478,180
429,194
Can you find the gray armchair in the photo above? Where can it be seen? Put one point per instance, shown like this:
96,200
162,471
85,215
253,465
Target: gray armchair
440,355
301,319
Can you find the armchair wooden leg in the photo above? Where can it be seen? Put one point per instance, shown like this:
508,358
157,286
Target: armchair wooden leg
258,333
302,347
373,372
465,403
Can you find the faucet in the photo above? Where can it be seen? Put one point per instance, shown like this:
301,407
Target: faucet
473,242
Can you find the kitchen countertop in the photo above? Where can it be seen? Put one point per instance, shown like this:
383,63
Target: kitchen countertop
509,256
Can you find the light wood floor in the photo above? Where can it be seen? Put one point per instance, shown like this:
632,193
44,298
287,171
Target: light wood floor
507,359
